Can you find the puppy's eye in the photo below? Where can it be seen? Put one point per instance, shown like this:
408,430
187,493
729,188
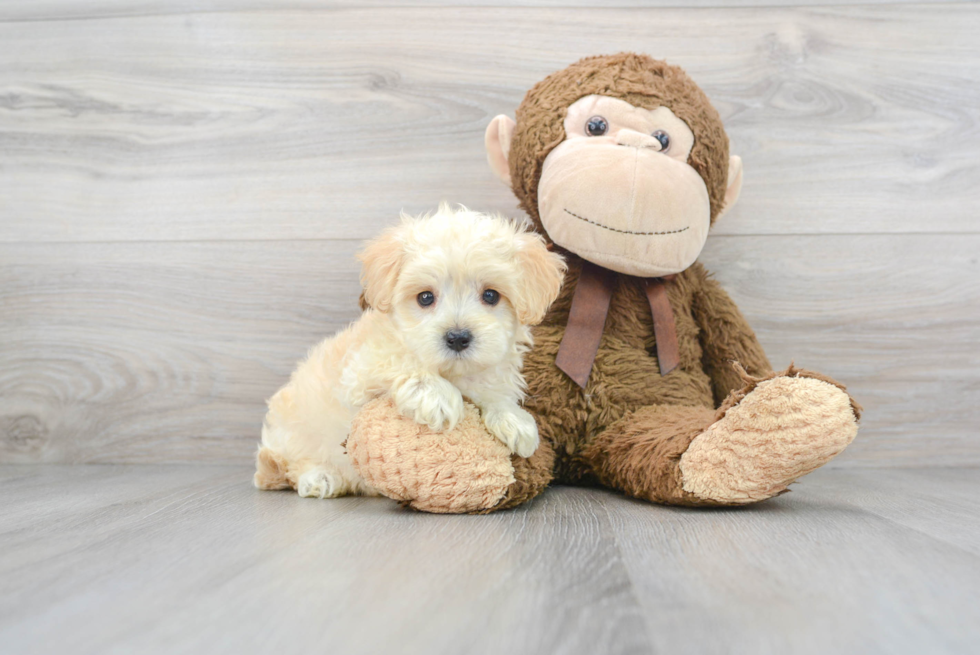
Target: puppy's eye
596,126
426,298
663,138
491,297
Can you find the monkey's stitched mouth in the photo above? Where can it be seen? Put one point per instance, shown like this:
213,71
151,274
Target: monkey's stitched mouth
613,229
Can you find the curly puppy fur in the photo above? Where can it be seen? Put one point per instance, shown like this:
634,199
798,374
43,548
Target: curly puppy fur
402,347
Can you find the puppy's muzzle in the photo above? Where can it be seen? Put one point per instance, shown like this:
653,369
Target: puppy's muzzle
458,340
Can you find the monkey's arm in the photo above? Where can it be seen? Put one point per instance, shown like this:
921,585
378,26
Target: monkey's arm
725,338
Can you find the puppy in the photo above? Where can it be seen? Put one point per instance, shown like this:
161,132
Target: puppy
450,298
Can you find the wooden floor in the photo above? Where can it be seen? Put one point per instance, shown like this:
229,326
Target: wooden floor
182,559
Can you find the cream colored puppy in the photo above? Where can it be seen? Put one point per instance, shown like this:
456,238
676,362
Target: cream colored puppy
450,300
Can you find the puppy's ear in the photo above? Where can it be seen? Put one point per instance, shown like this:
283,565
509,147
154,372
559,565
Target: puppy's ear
381,262
542,274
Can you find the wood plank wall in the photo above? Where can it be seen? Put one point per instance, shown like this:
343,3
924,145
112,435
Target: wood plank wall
183,186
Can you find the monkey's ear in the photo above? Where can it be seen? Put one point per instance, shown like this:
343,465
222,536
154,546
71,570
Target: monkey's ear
497,140
734,184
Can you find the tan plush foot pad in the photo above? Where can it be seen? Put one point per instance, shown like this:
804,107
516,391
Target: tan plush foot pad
782,429
454,472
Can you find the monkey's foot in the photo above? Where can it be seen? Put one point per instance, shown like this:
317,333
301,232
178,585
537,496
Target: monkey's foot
773,431
455,471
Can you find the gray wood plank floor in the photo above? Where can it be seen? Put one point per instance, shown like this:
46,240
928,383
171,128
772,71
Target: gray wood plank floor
184,559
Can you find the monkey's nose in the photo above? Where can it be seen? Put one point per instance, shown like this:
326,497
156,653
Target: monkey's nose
458,340
626,137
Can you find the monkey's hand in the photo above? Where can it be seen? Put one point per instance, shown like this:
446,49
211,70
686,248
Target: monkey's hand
430,400
513,426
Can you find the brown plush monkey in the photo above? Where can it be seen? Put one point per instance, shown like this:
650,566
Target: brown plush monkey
644,375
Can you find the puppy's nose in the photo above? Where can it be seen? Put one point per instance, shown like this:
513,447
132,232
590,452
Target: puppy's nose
458,340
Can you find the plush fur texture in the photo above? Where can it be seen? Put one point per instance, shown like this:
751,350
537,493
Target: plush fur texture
711,334
399,348
720,429
637,79
640,453
784,428
626,378
459,471
620,199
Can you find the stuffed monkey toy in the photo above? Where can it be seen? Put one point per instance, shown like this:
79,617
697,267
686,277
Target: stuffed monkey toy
644,376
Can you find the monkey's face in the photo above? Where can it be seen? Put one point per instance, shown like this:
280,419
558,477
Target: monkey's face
618,191
631,187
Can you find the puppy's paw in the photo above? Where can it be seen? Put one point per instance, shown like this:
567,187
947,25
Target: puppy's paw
319,484
431,401
514,426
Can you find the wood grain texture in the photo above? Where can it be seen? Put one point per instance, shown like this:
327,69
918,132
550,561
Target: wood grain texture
36,10
939,503
815,572
165,352
322,124
183,185
156,559
178,551
158,352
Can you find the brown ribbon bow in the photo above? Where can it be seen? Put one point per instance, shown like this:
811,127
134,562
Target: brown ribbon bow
587,318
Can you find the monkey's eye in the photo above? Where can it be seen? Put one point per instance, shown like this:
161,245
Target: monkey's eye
491,297
426,298
597,126
663,138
